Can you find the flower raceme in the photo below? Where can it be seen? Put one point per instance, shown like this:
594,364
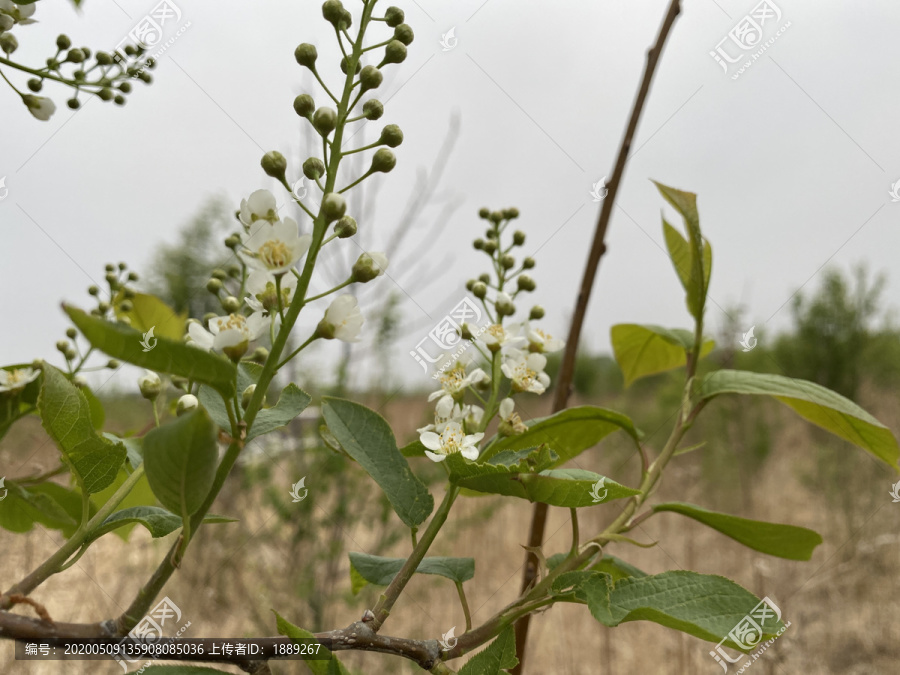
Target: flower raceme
229,334
452,439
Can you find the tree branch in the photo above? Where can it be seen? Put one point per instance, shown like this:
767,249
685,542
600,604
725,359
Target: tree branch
598,248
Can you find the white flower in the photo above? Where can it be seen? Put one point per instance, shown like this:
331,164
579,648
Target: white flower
343,320
451,440
20,13
16,379
506,408
446,411
259,206
262,294
527,372
539,341
274,246
455,381
510,422
40,107
229,334
496,337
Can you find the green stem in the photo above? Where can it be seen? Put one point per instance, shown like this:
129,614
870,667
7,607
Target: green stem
465,605
333,290
298,350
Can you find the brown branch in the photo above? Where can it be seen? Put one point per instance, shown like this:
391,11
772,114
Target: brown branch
598,248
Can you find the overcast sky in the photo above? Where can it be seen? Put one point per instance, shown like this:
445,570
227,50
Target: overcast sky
793,161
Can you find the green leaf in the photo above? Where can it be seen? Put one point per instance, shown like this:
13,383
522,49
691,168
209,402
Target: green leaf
16,405
785,541
617,568
499,656
157,521
180,461
330,666
380,571
367,438
247,373
167,356
66,416
183,670
413,449
140,495
98,415
149,312
292,402
813,402
642,350
557,487
569,432
49,504
703,605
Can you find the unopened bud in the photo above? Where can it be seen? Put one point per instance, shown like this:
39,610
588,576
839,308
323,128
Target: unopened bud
231,241
247,395
496,216
180,382
150,385
391,136
259,355
219,273
404,33
511,213
313,168
507,261
383,160
80,381
490,246
63,42
370,78
478,244
537,313
333,206
525,283
518,237
71,333
274,164
231,304
113,364
479,289
306,55
126,306
325,120
214,286
304,105
76,56
62,345
484,278
345,65
345,227
369,266
373,109
528,263
70,353
185,404
484,213
8,43
395,52
394,16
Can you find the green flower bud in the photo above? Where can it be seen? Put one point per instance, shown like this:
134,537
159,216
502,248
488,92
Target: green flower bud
370,78
491,233
525,283
528,263
209,316
345,63
126,306
231,304
150,385
8,43
106,94
119,100
6,22
247,395
496,216
369,266
484,213
345,227
518,237
335,14
73,103
383,160
104,59
78,76
391,136
333,206
214,286
260,354
219,274
71,333
86,51
507,261
505,308
373,109
133,276
52,64
537,313
76,56
511,213
62,346
185,404
394,16
128,293
63,42
35,85
113,364
465,332
325,120
70,353
484,278
479,290
125,87
306,55
93,290
490,246
346,20
478,244
103,306
80,381
304,105
232,241
313,168
395,52
404,33
274,164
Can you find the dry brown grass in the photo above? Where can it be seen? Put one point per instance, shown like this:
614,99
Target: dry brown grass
839,603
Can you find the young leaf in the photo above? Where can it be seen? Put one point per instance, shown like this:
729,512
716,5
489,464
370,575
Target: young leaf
499,656
568,433
617,568
166,356
819,405
380,571
149,312
326,666
158,522
66,416
292,402
784,541
51,505
180,461
368,439
642,350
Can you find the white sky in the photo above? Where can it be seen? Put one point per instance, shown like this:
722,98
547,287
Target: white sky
793,161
